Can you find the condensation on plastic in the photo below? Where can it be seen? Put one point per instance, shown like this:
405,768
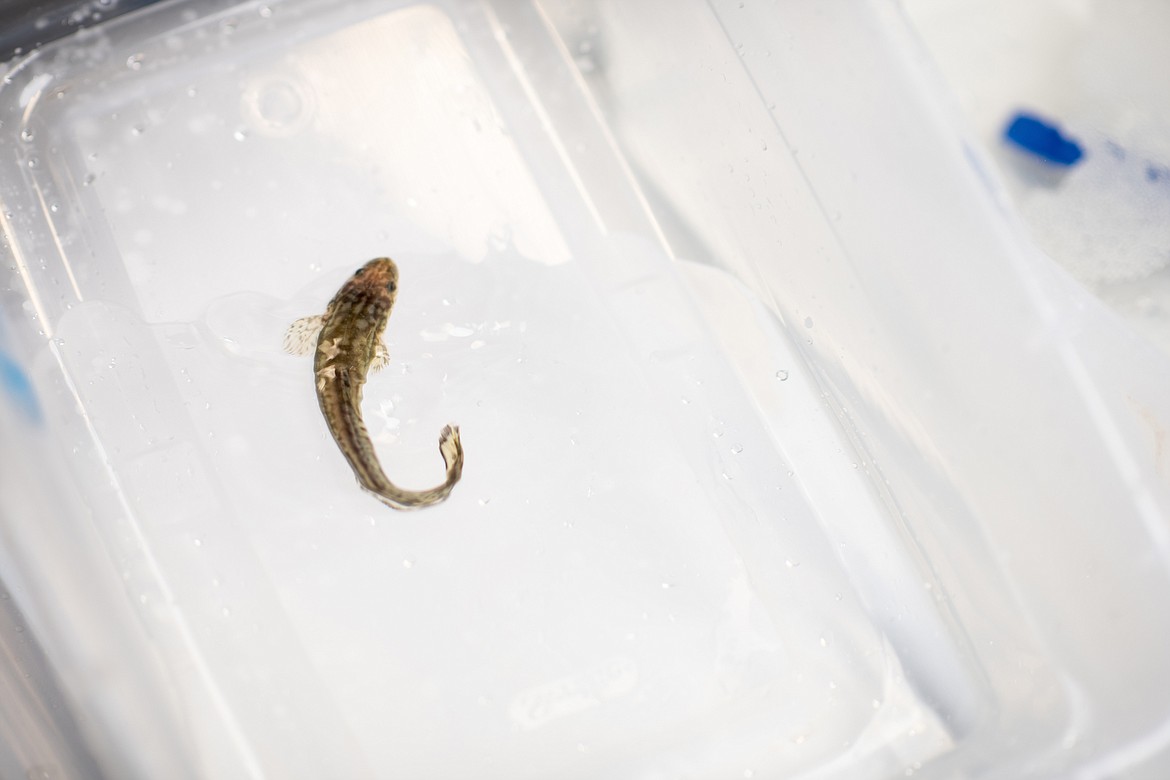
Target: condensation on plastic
785,455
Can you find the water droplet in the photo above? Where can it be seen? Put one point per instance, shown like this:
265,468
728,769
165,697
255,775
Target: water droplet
265,12
782,375
484,501
736,449
240,134
808,323
197,542
685,401
408,563
33,162
88,180
790,563
134,61
226,612
667,585
26,135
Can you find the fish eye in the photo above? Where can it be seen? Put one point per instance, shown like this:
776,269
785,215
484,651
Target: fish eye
391,286
358,272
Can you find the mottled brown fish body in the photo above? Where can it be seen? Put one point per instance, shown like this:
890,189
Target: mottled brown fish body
354,321
348,347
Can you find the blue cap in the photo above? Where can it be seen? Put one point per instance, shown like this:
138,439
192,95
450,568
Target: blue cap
1043,139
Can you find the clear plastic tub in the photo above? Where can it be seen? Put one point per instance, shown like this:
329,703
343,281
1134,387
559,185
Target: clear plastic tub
786,455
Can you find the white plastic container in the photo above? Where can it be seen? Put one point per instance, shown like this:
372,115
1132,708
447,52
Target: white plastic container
786,455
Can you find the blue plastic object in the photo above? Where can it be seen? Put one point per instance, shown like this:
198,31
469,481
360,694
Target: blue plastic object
1043,139
19,389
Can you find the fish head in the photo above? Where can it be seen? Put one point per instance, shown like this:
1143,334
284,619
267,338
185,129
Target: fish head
376,276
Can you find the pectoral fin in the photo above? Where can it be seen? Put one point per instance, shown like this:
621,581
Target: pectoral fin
301,336
381,357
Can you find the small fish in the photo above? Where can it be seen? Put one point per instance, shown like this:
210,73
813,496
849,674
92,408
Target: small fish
348,340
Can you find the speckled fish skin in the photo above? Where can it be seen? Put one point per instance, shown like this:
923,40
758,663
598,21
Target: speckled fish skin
350,345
